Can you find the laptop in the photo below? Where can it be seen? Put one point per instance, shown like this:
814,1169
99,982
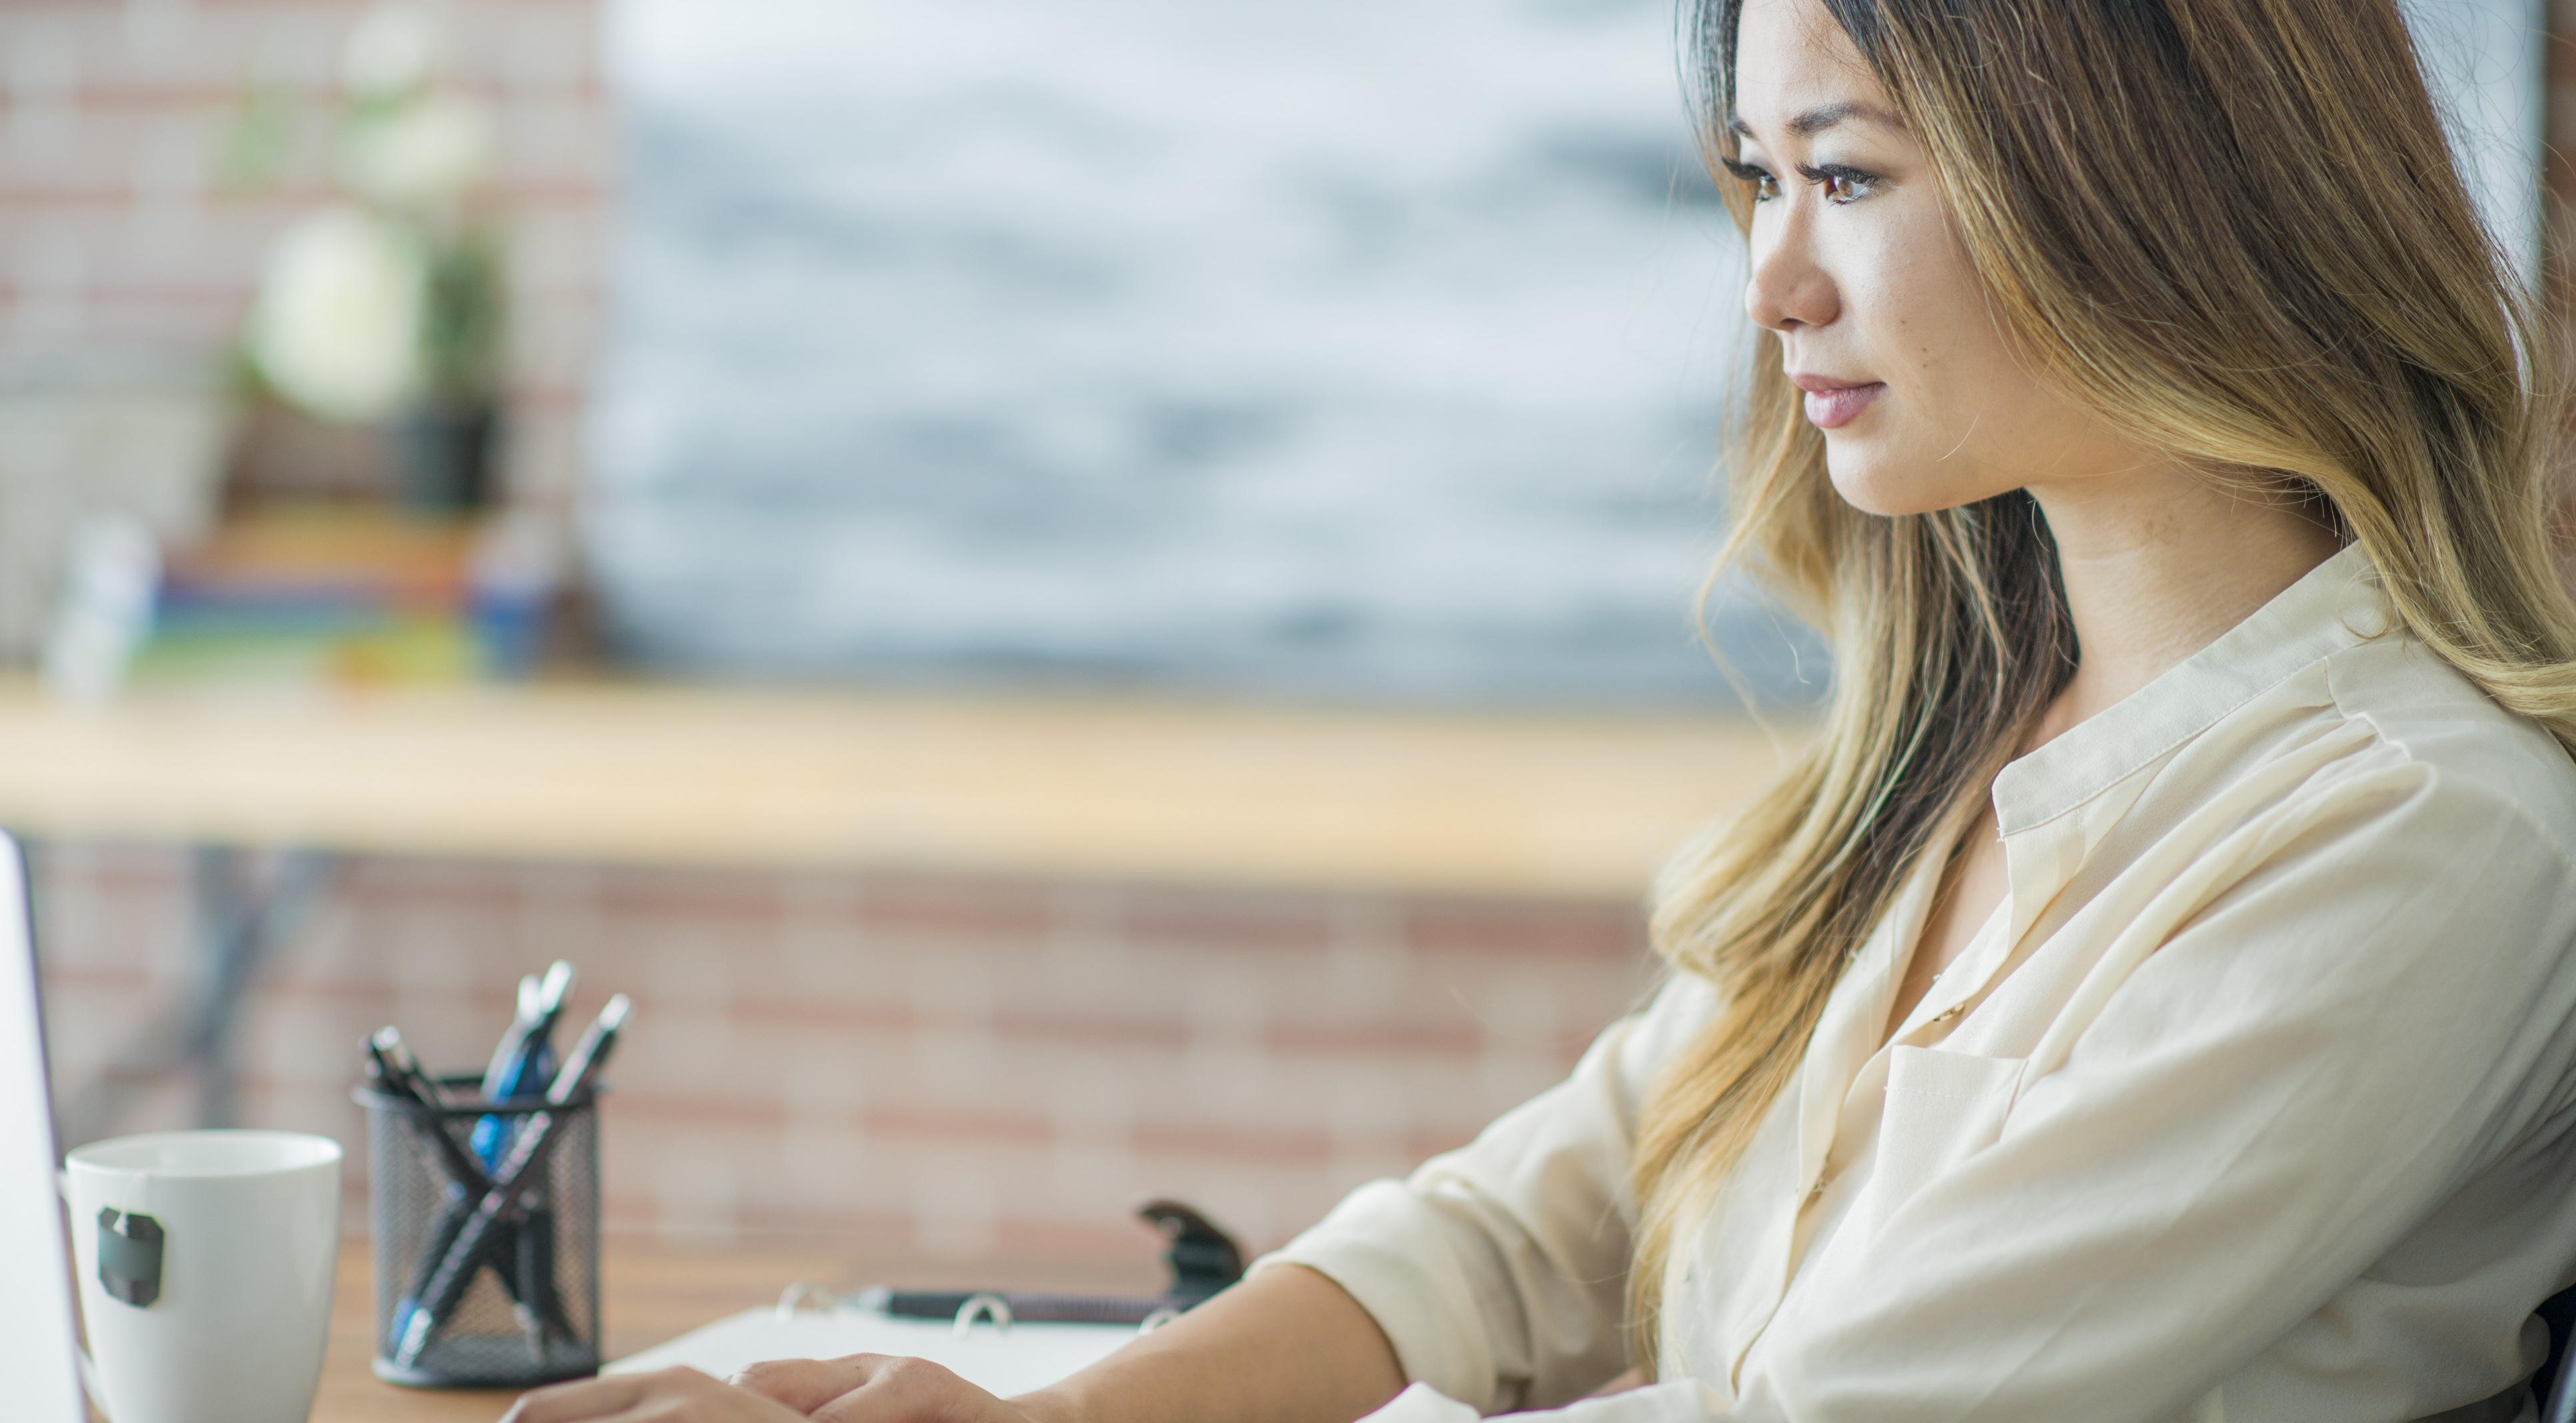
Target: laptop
38,1349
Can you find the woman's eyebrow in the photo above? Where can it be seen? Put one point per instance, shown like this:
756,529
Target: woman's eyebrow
1823,116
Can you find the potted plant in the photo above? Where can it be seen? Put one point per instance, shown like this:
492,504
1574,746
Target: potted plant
387,307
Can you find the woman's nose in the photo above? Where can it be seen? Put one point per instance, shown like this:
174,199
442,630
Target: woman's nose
1786,288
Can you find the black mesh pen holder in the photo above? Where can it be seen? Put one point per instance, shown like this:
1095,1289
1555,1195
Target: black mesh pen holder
477,1287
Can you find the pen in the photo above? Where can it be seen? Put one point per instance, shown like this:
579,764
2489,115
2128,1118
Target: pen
506,1052
526,1243
530,1032
591,1053
1024,1308
386,1057
406,1068
529,1151
1204,1260
466,1183
525,1053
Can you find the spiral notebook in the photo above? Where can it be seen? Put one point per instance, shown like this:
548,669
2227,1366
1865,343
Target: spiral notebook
1000,1358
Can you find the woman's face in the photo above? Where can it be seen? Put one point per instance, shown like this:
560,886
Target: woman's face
1855,263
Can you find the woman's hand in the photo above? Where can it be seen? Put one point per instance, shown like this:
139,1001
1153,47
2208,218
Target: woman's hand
1285,1346
858,1388
878,1388
672,1395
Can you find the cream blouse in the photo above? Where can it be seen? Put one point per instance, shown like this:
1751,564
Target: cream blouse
2252,1101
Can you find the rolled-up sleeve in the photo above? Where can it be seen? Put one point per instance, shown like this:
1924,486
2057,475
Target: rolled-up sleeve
1499,1270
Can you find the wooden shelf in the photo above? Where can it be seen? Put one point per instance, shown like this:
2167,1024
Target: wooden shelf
1128,788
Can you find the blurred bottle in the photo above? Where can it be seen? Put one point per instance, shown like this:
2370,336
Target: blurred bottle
516,576
111,579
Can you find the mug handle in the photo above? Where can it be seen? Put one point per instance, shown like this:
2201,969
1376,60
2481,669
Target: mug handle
88,1366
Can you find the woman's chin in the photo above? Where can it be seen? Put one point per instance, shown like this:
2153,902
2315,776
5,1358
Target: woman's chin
1892,487
1871,487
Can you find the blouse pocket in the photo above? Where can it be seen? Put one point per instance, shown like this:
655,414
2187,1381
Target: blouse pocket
1941,1108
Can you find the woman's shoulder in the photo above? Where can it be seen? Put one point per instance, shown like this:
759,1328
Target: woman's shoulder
1683,1001
2434,729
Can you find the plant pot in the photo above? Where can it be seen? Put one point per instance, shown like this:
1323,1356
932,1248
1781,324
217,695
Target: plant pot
444,454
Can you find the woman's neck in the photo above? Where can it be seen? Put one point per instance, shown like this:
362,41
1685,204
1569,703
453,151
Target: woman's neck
2157,563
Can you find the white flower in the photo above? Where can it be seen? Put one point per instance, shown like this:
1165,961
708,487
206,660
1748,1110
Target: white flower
392,51
420,155
337,324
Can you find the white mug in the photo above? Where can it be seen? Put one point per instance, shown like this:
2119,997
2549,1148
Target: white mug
218,1250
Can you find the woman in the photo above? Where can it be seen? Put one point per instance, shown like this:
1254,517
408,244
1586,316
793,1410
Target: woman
2150,997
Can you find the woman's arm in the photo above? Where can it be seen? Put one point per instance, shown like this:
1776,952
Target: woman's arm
1285,1346
1493,1272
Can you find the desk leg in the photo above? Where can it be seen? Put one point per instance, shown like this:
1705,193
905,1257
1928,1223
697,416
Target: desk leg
238,922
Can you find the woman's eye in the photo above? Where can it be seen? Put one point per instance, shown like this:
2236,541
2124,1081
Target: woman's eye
1842,185
1765,187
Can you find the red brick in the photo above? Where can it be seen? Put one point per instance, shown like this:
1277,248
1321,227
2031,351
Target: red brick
1017,1239
1095,1031
1228,921
987,909
730,900
393,884
1234,1143
925,1125
1580,930
820,1013
1338,1038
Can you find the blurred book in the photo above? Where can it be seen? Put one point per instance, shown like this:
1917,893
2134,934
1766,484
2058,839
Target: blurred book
353,597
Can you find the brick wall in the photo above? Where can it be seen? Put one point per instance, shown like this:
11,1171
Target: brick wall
969,1066
117,229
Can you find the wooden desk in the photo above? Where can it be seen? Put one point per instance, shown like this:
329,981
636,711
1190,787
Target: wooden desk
648,1295
1522,804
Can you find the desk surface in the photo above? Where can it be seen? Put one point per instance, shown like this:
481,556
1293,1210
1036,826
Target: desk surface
1101,787
648,1294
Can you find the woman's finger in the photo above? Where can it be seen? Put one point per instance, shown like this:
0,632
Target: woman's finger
581,1398
675,1395
906,1390
808,1384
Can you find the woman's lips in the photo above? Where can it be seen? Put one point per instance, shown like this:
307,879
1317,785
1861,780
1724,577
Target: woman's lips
1830,406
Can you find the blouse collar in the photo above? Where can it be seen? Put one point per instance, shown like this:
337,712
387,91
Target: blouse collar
2335,605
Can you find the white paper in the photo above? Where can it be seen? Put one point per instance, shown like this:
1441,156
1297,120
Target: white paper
1001,1362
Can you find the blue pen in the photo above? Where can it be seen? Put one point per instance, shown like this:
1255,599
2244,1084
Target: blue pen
525,1060
522,1065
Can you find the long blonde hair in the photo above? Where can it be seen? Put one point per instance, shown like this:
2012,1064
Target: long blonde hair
2231,225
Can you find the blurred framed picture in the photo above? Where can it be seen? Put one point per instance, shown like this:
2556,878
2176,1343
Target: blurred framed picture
1344,348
